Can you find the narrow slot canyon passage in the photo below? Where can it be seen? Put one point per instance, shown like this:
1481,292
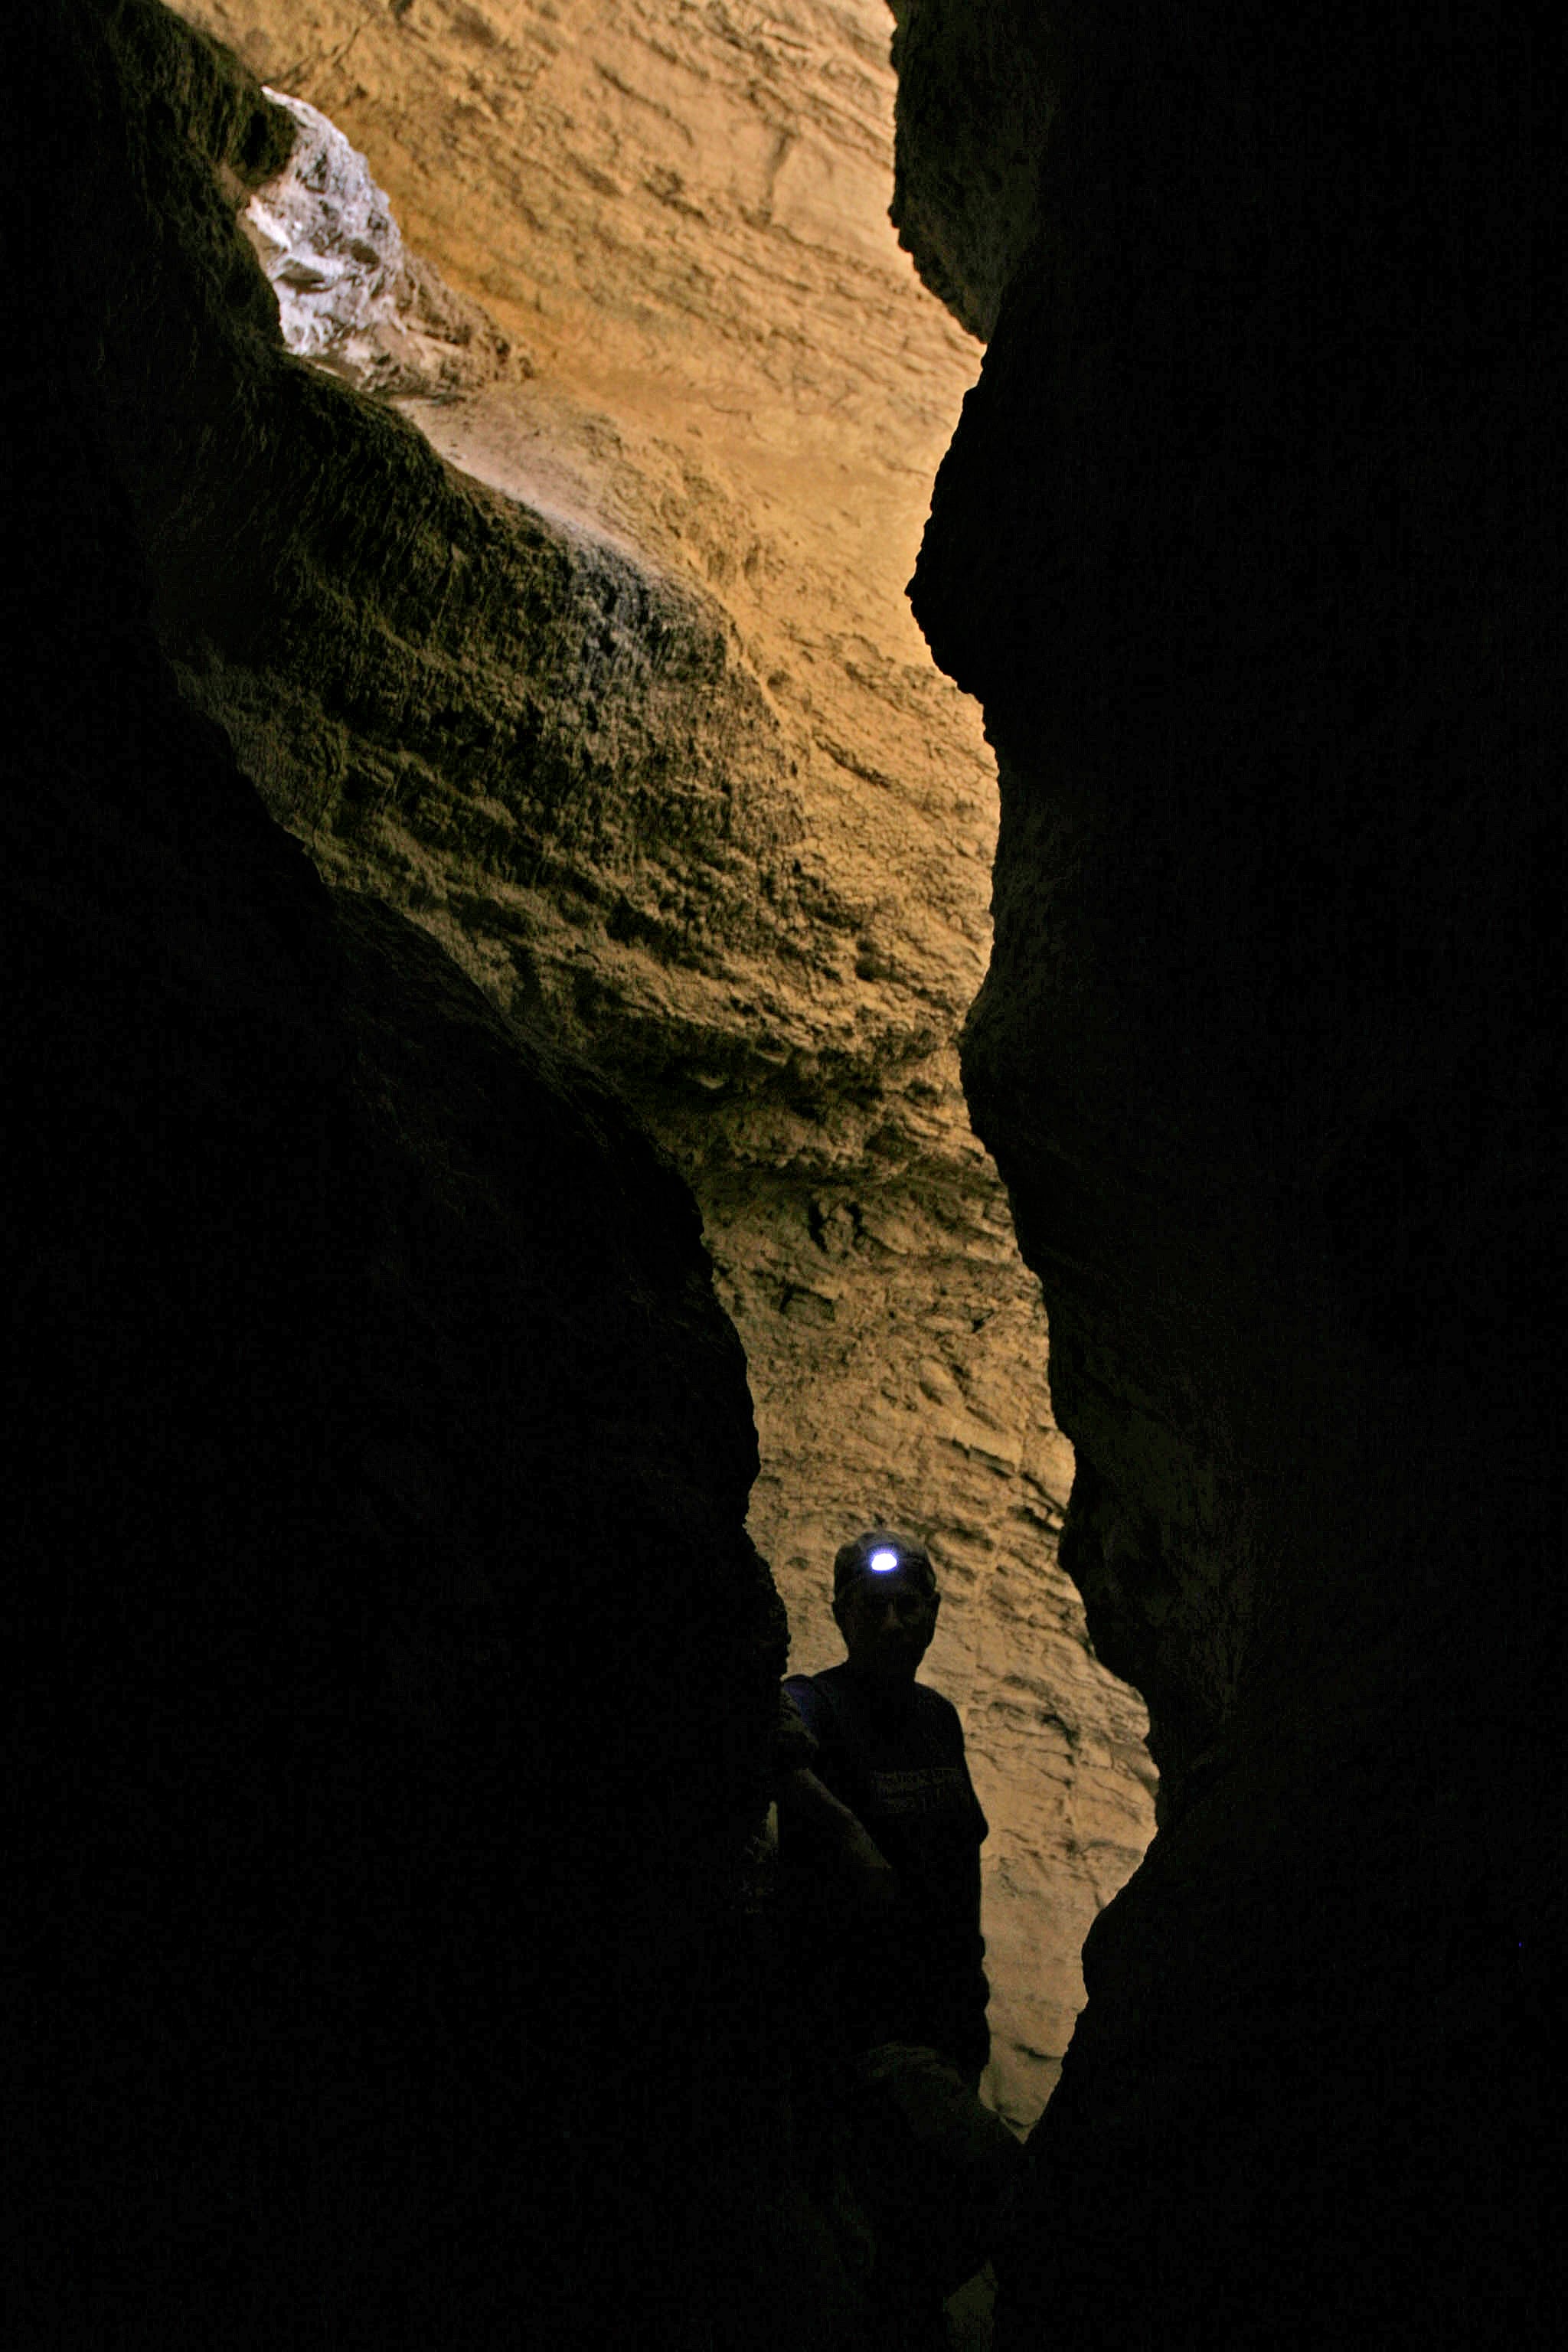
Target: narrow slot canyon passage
668,315
712,703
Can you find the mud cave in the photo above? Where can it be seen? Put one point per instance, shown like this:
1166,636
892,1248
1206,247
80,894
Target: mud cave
570,1033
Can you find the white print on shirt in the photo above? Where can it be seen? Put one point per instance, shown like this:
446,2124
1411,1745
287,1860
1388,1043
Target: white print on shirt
932,1789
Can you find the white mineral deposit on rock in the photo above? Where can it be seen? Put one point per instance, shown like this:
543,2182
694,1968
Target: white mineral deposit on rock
350,295
328,242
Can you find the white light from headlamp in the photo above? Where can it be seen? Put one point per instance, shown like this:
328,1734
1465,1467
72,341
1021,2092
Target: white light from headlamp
882,1563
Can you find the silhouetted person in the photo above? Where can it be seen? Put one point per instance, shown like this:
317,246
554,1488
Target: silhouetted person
885,1820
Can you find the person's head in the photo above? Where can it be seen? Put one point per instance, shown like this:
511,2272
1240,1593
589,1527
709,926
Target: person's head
885,1603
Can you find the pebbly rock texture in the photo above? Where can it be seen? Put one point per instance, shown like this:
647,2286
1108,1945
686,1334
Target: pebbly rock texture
624,705
392,1678
1249,542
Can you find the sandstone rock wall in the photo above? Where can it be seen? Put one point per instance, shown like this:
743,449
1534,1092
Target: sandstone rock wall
1242,540
390,1679
647,739
1248,538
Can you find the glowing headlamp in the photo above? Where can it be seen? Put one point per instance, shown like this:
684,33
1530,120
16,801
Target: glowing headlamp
883,1562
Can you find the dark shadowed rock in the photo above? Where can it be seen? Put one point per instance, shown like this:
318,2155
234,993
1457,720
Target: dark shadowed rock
393,1674
975,96
1248,542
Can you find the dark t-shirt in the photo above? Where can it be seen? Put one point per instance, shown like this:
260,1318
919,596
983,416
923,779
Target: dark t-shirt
896,1759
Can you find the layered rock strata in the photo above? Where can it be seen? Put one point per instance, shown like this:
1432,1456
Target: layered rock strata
1248,542
647,739
393,1677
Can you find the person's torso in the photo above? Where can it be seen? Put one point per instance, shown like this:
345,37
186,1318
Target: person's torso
899,1767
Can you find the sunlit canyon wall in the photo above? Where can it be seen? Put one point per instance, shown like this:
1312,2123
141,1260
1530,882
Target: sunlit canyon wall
658,753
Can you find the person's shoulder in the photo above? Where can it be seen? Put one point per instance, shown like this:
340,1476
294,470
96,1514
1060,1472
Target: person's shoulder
940,1713
933,1701
809,1702
794,1743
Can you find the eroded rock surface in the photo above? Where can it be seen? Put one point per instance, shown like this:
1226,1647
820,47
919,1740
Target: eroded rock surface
1242,540
975,96
351,295
647,739
391,1678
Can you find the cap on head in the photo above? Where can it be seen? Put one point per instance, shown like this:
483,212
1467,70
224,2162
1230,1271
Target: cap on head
879,1552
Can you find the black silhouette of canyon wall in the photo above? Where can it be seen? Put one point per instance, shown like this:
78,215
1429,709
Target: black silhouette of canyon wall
1249,542
393,1677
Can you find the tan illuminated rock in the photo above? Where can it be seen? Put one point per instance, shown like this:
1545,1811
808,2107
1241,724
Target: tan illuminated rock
669,764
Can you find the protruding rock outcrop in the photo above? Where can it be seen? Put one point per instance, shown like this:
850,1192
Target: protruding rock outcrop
393,1677
1242,541
350,294
975,101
